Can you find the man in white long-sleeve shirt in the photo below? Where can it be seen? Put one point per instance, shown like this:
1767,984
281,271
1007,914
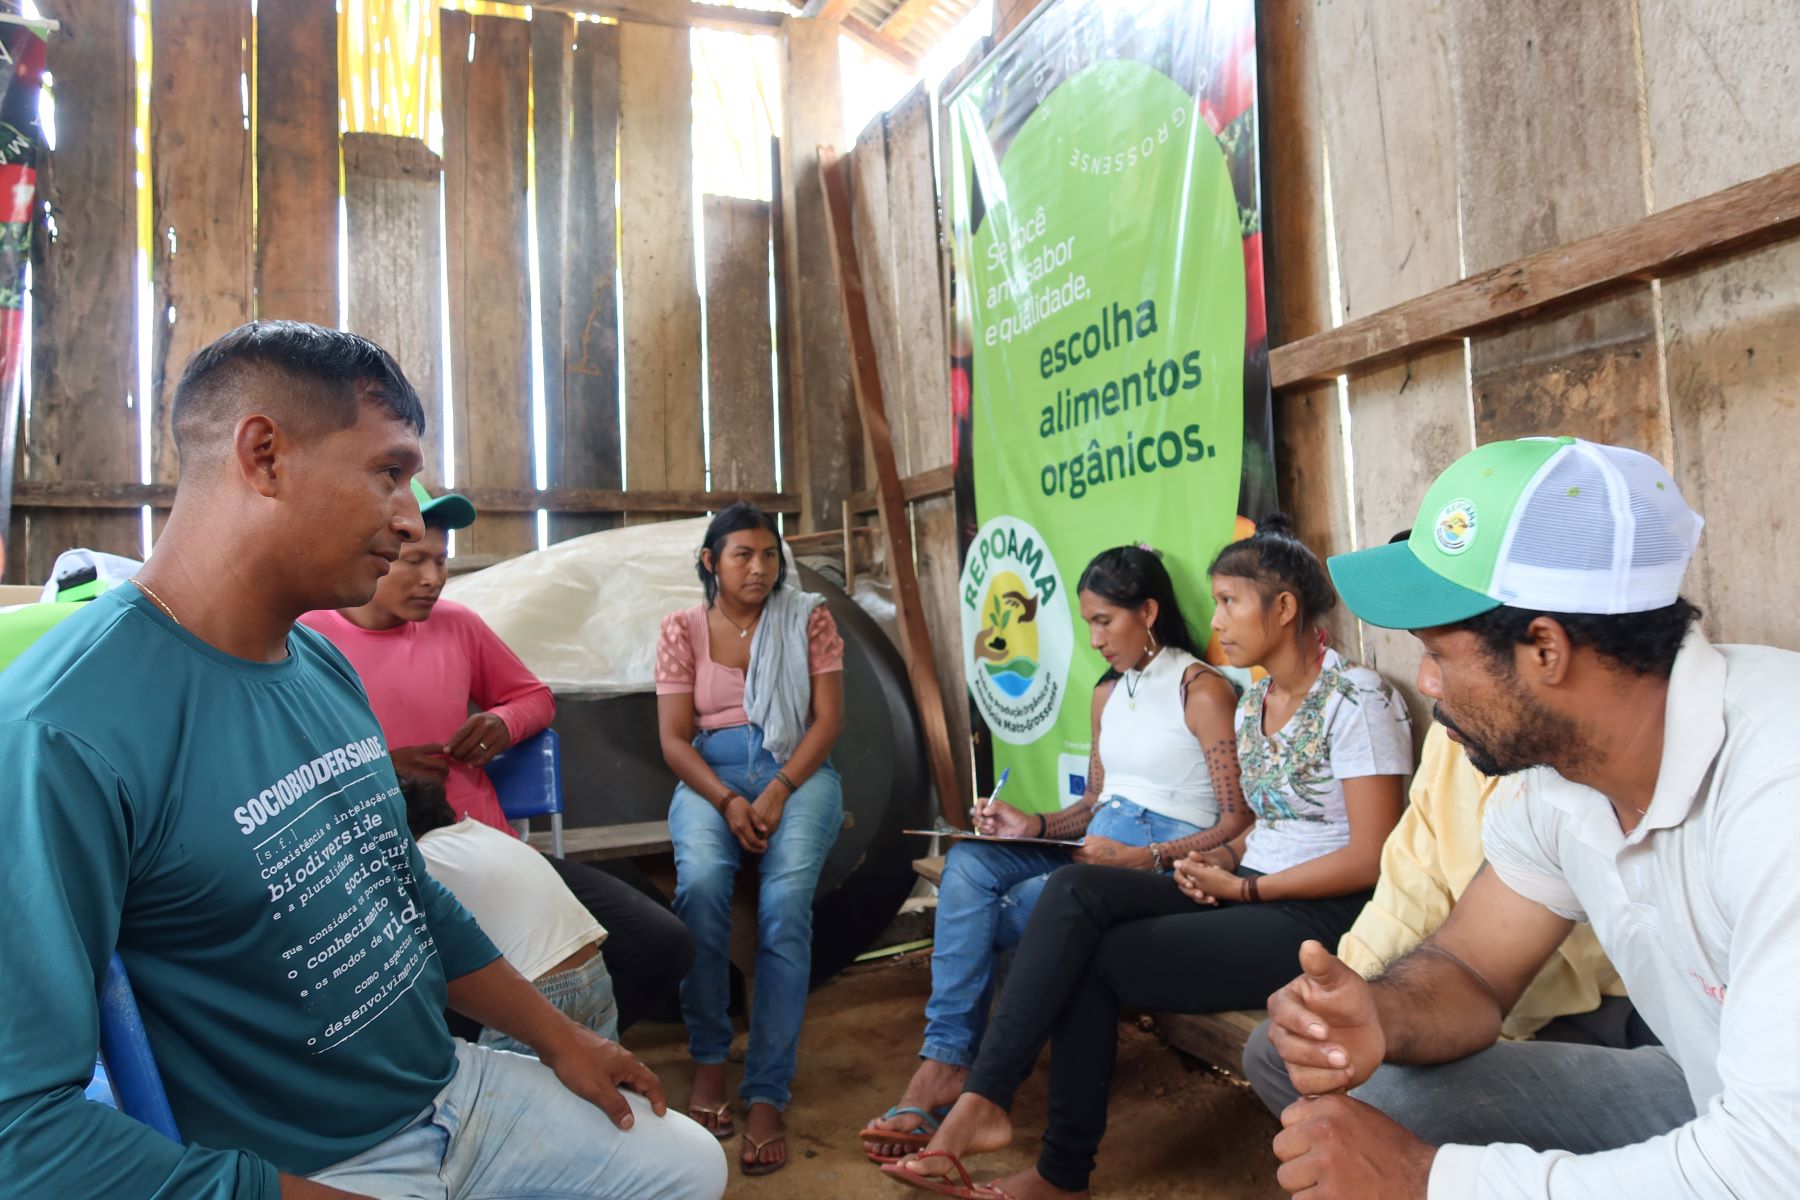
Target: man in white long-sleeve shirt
1656,783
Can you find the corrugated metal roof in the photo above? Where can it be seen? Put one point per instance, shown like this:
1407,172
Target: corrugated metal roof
927,21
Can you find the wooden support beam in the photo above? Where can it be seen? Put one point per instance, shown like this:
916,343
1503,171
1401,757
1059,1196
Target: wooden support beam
938,481
882,43
1752,214
672,13
865,375
109,496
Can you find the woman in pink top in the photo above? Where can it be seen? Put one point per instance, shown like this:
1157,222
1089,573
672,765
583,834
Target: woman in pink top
425,663
749,701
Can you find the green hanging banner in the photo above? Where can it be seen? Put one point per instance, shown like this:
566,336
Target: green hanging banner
1110,378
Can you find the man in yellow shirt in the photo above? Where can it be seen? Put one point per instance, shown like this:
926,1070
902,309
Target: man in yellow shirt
1427,861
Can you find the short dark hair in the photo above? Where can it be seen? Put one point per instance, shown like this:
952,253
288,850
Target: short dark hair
1276,560
335,372
735,518
1644,643
1130,576
426,807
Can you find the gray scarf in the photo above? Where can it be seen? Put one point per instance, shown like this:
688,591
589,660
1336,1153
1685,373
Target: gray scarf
778,685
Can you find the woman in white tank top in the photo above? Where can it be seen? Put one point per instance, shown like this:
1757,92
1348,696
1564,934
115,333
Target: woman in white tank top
1162,781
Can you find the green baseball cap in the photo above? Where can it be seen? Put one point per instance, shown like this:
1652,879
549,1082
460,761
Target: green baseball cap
1549,524
448,511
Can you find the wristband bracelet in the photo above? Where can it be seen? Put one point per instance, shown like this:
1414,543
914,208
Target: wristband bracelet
725,801
1250,896
1236,859
1043,826
781,777
1157,861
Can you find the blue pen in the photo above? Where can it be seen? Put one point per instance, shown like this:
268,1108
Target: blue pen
995,795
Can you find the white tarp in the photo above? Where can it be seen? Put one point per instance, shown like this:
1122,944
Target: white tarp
584,614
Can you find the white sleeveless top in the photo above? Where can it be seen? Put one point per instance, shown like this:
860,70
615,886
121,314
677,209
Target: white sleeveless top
1149,754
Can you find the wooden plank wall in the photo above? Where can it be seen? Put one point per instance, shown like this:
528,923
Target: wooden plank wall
1394,198
739,340
1310,443
583,408
486,96
1549,126
84,364
894,202
825,425
392,188
1461,137
662,303
1719,110
201,238
245,210
297,161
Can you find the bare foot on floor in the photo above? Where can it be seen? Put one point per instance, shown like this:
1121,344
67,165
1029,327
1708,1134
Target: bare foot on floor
1029,1185
976,1125
708,1104
933,1086
765,1140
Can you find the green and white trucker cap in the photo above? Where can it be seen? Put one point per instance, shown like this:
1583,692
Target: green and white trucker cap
1548,524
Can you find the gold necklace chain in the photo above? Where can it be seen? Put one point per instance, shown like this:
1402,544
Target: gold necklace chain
160,602
743,630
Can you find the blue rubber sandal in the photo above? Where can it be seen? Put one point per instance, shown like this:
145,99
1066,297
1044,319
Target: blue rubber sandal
921,1136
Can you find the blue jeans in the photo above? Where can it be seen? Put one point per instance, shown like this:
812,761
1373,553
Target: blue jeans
584,994
504,1126
706,864
984,901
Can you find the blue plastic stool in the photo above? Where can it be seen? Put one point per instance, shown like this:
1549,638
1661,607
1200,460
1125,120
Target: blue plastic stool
528,779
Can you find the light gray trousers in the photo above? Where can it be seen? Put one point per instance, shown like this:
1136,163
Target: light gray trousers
1548,1095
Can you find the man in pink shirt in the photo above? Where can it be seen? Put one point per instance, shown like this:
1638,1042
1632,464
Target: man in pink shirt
426,663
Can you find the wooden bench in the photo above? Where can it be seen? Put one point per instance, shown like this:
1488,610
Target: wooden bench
595,843
1217,1038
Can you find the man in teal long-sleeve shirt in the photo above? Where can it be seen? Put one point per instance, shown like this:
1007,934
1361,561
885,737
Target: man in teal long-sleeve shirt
188,777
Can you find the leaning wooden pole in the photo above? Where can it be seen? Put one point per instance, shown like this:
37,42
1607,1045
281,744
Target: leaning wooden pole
890,498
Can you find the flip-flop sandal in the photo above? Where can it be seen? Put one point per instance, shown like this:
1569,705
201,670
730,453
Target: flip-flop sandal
725,1130
967,1190
928,1126
755,1166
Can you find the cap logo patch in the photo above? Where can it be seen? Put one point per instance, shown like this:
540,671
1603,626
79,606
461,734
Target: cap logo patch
1456,526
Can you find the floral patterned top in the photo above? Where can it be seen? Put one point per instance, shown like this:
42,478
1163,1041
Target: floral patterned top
1349,725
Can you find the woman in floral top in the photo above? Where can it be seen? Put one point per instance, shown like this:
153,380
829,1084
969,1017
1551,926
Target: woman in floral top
1324,749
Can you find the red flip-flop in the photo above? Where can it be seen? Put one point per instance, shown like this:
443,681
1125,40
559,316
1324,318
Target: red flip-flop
967,1190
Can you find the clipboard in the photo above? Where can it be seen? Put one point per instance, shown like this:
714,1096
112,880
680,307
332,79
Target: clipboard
969,835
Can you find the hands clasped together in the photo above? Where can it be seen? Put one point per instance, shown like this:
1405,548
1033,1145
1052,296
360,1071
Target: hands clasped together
1327,1029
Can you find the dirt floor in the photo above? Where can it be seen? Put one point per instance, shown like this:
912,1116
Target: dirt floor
1177,1128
